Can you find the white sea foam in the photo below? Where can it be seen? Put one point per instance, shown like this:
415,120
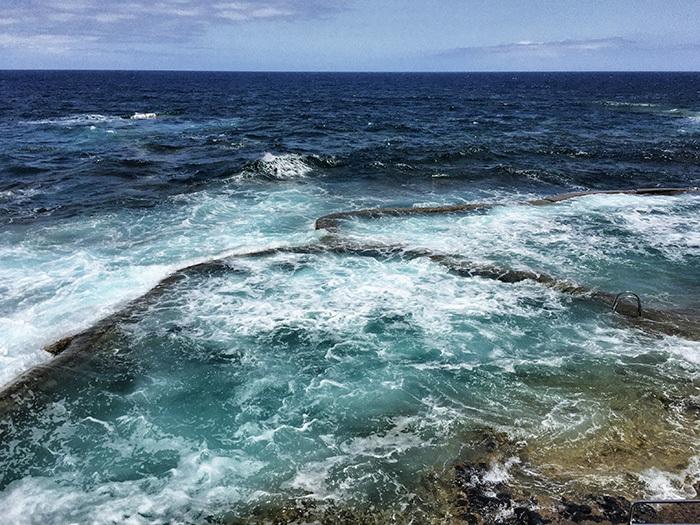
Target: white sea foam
686,115
19,195
670,224
618,103
85,119
313,478
287,166
75,292
355,463
500,472
670,485
202,480
579,240
143,116
688,351
419,291
90,119
61,278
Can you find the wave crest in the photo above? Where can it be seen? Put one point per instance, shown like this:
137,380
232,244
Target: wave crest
75,120
143,116
85,119
285,166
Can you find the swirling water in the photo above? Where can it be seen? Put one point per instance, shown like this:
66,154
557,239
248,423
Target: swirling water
326,376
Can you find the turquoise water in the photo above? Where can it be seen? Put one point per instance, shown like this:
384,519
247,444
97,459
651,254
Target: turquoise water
353,378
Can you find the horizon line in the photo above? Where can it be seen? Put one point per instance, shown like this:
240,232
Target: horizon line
327,71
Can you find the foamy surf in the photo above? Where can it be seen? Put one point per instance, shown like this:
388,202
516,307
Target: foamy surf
86,119
672,485
629,104
67,276
287,166
91,119
143,116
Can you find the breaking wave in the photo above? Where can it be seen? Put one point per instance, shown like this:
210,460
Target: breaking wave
285,166
668,485
143,116
89,119
624,104
76,120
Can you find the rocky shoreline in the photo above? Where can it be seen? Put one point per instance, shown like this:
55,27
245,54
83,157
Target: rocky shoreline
479,491
479,502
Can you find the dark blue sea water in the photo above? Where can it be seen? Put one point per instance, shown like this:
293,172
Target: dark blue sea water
67,143
340,378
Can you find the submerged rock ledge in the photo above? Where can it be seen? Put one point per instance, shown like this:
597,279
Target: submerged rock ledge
456,263
68,350
331,222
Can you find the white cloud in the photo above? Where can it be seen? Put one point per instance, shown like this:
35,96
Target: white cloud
53,44
270,12
612,53
110,18
529,47
234,16
105,23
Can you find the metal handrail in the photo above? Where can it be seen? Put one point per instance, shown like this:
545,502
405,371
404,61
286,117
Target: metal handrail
619,296
639,503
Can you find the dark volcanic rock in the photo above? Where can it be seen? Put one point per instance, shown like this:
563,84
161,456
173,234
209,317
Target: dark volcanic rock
490,496
485,502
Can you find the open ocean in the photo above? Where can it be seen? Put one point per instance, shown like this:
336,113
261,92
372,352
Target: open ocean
348,379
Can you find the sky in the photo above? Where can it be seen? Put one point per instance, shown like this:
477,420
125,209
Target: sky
351,35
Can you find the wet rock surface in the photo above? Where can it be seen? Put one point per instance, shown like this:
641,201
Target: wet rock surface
671,514
491,495
487,502
480,490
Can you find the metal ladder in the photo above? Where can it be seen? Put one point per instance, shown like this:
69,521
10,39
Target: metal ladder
623,295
